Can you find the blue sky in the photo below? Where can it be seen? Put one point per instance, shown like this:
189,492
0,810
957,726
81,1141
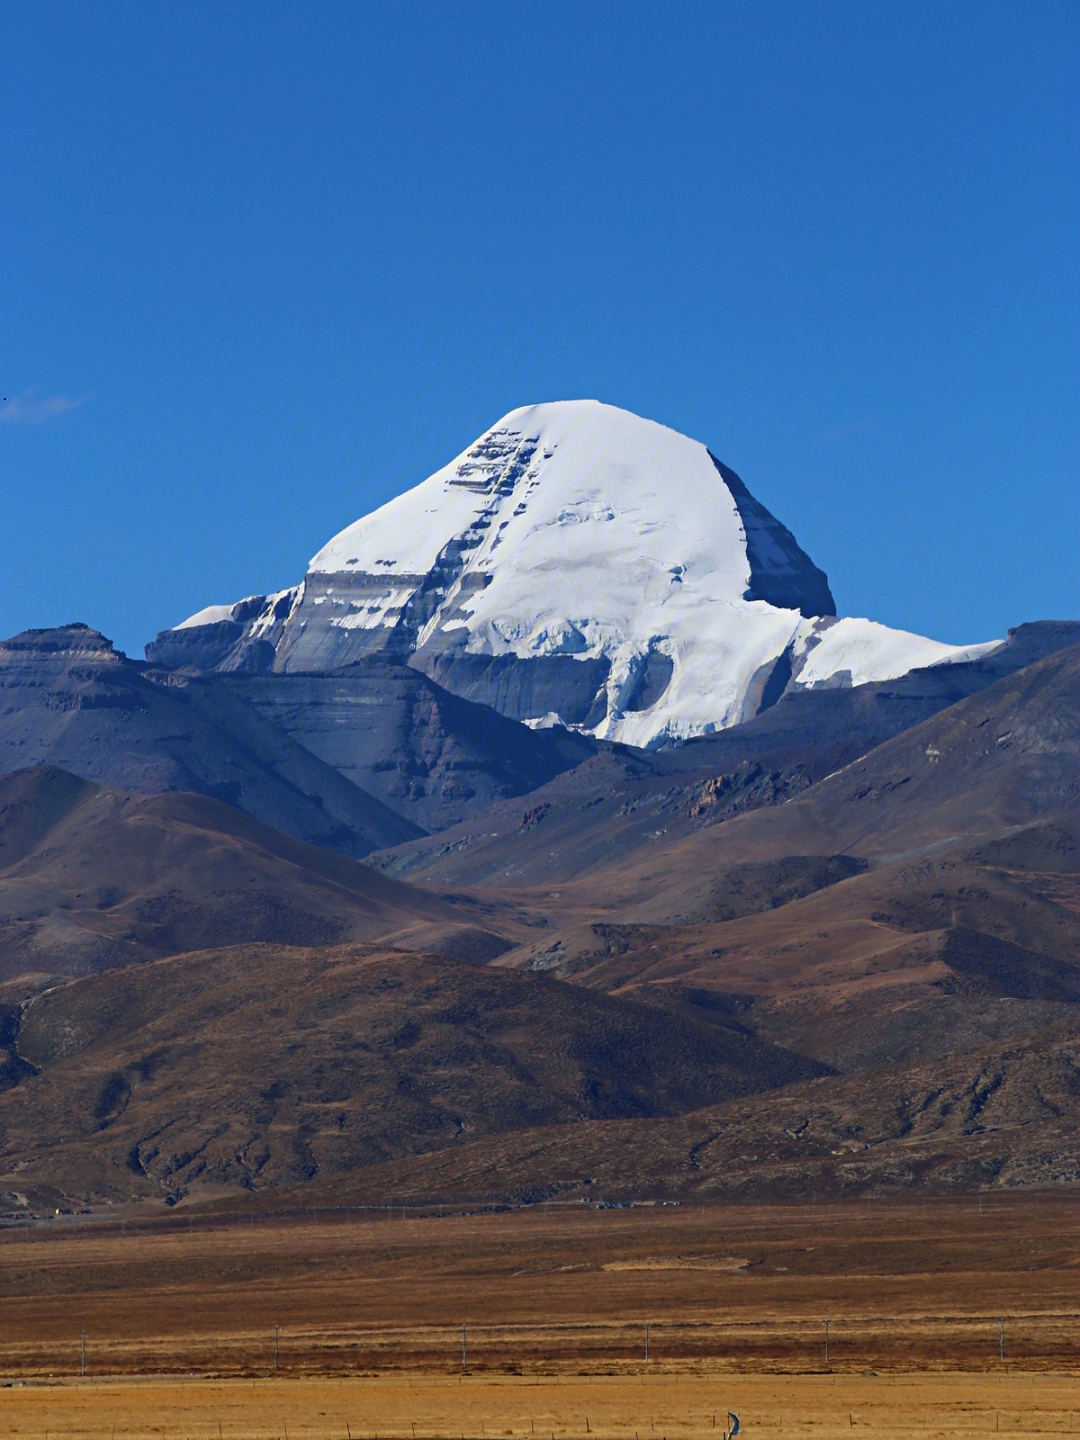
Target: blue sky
266,265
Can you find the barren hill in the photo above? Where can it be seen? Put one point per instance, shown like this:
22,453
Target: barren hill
869,986
92,878
623,801
1004,1114
257,1065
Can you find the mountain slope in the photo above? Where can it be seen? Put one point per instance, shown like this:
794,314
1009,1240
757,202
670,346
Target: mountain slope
1000,766
912,921
576,563
259,1065
71,699
888,914
430,756
857,967
1001,1115
622,801
92,878
1007,756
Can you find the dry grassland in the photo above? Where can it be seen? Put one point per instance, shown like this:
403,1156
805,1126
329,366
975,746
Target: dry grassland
510,1408
371,1309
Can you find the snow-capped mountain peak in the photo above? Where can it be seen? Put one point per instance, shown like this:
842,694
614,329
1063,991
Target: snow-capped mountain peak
553,484
576,564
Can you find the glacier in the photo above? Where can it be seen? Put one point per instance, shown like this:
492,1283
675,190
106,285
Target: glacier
576,565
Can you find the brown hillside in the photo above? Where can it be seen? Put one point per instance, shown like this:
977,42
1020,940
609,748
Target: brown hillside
257,1065
1003,1115
909,925
1005,757
91,877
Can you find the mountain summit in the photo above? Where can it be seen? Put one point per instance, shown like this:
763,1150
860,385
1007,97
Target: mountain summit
576,565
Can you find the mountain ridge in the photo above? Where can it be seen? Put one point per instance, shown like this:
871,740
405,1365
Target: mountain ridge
931,992
92,878
72,699
622,800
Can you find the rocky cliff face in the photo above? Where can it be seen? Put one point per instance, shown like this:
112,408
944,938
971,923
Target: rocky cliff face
429,755
71,699
576,565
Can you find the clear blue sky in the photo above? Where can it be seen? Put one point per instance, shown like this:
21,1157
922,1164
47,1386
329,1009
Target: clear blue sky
266,265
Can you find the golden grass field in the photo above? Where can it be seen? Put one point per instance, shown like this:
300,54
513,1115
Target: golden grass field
179,1315
518,1408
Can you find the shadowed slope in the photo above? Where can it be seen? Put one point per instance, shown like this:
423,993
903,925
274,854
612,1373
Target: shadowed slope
426,753
624,801
1002,1115
70,699
92,878
258,1065
1004,758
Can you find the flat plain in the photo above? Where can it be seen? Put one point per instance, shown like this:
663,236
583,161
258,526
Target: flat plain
661,1407
945,1316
